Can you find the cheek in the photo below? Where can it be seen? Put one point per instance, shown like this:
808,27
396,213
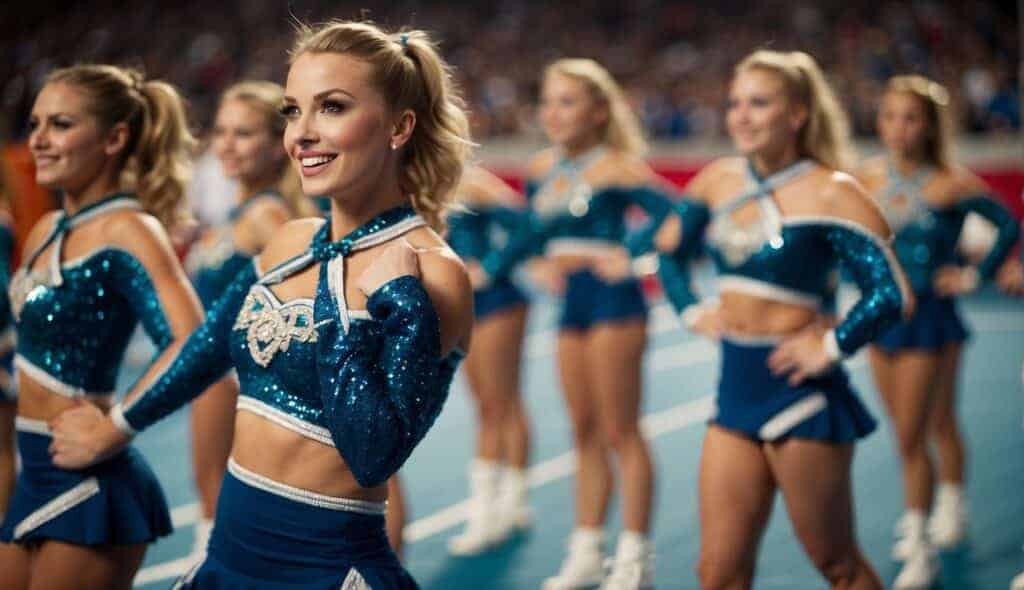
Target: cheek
358,132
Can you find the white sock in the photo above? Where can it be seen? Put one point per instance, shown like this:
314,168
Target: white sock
587,539
948,492
632,545
513,484
915,522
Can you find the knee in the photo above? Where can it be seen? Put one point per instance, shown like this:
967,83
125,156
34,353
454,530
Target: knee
619,435
911,444
489,412
585,433
719,572
836,568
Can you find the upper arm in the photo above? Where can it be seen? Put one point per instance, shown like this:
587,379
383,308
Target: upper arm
445,279
846,199
143,236
968,184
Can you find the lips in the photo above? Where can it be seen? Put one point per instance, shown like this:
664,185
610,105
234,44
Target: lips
313,164
44,160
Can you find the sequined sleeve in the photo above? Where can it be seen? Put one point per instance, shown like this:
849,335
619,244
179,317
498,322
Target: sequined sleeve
190,369
674,267
872,265
1008,231
129,278
525,242
6,251
381,383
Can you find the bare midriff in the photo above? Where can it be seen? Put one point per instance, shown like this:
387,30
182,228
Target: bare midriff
747,315
37,402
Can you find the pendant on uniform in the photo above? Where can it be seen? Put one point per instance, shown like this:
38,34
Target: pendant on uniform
579,205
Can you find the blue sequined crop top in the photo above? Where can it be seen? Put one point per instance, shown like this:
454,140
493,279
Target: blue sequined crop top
790,259
74,318
477,233
212,266
367,383
926,237
569,216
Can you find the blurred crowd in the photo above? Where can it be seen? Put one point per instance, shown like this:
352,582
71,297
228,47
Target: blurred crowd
674,58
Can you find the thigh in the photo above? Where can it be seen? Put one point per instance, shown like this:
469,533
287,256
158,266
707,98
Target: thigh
15,562
948,373
736,493
8,410
495,355
61,566
614,357
814,478
575,378
910,396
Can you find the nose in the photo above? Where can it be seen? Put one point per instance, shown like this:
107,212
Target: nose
304,132
39,138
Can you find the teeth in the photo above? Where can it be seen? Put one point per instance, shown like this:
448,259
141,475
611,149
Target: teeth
316,161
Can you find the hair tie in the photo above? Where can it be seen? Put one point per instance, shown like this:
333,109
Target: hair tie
403,40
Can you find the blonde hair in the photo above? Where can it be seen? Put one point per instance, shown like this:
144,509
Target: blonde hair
938,143
622,132
156,162
409,72
825,136
266,98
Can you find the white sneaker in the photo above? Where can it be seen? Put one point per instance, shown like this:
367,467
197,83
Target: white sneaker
920,570
947,526
632,568
910,534
484,528
1018,582
513,499
584,565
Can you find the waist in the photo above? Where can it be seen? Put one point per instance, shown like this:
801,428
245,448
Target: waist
34,438
272,531
281,447
55,378
750,316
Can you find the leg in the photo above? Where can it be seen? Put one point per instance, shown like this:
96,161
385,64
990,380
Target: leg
213,428
515,427
614,355
61,566
396,517
906,384
814,478
736,492
945,430
15,562
594,477
7,475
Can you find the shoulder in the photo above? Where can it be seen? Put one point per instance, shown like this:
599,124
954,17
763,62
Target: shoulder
139,233
541,163
39,232
481,187
622,170
291,239
715,171
445,278
267,208
966,183
870,170
843,197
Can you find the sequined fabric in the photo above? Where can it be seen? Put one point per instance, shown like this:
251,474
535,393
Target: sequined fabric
375,389
77,331
476,233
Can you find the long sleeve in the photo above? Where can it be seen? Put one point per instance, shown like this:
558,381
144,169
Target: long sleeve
180,374
381,383
674,267
1008,231
525,242
884,294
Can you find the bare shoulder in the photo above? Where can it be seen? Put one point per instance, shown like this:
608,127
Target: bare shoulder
291,239
966,183
139,233
482,187
621,169
39,232
445,278
713,173
541,163
267,210
870,170
843,197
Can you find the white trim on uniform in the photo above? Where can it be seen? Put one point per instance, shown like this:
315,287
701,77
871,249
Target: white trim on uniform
304,496
796,413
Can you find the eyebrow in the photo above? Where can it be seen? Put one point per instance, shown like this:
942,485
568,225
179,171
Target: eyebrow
322,95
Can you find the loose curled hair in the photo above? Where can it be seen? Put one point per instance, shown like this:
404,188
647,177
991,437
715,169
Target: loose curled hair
156,161
409,72
825,136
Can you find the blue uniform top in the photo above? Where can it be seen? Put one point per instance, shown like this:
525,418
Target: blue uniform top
791,259
479,232
213,266
568,216
926,236
74,318
369,383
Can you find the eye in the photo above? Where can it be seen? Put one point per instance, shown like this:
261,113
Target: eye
289,111
332,106
731,104
759,101
33,124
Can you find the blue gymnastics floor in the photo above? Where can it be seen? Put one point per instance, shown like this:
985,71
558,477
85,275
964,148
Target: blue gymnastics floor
679,379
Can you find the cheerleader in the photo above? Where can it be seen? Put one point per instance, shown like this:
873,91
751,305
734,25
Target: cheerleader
117,147
925,198
579,192
497,475
246,140
345,332
776,221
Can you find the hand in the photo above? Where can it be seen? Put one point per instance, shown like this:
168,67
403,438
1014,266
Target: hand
84,436
801,356
477,275
1010,278
955,280
397,259
548,275
614,267
669,234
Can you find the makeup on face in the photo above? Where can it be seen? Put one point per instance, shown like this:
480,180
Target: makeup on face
244,143
568,113
758,115
65,139
902,122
